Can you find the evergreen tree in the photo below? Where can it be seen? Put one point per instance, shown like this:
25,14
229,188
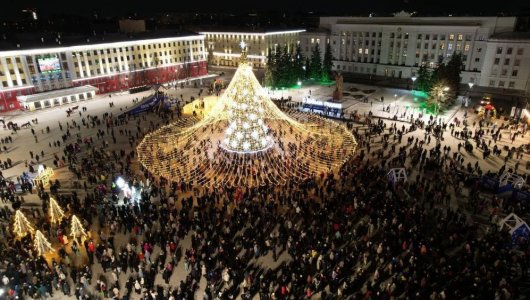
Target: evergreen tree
286,63
279,68
424,79
299,63
307,72
316,63
327,64
269,69
453,70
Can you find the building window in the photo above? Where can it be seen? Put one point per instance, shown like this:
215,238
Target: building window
450,47
360,50
496,61
499,50
477,59
520,51
504,72
514,73
366,51
516,62
442,46
492,82
501,83
511,84
466,47
460,37
479,50
509,50
419,36
506,61
451,37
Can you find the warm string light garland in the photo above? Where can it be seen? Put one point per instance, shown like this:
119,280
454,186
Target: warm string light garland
21,225
246,140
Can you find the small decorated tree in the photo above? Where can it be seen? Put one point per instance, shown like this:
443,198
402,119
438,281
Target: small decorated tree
77,229
22,226
41,244
55,211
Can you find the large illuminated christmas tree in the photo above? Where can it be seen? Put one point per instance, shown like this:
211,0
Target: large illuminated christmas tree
246,131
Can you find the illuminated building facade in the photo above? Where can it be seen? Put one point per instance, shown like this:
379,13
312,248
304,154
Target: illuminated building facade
224,50
494,56
106,64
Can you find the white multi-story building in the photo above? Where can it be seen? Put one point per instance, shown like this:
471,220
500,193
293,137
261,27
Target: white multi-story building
117,63
397,46
224,47
507,62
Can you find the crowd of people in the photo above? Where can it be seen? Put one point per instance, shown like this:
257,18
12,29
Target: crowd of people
347,234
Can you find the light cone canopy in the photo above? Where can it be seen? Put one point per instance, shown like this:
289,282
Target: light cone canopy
246,108
246,140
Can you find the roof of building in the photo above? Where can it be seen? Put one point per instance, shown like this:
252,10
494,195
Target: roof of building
513,36
408,21
317,31
57,94
36,40
261,30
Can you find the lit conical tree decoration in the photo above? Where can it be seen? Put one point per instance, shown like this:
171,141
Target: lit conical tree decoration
76,228
22,226
247,131
41,244
56,212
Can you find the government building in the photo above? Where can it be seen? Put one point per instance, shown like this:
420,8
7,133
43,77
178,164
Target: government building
495,56
48,71
224,47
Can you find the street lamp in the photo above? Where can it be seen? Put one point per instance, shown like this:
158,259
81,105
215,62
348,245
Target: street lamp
413,80
471,84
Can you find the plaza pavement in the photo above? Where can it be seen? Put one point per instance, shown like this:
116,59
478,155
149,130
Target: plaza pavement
23,142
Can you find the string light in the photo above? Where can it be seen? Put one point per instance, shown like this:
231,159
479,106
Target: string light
21,225
77,229
246,140
55,211
41,244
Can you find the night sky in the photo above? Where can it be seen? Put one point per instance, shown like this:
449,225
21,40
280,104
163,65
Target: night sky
12,9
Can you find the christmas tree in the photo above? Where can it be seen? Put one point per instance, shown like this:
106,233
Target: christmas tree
247,131
55,211
41,244
22,226
76,228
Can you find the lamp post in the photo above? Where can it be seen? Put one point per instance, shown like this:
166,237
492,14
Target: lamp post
471,84
413,78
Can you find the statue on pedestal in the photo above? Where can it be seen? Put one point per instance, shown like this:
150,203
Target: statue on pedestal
337,94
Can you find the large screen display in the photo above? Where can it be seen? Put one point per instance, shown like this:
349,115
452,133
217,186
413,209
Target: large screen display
49,64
